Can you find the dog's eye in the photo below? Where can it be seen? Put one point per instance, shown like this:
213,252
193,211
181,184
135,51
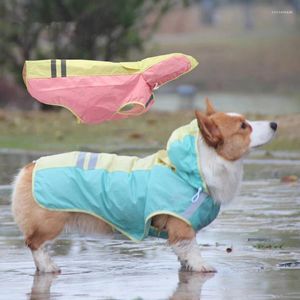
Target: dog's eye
244,125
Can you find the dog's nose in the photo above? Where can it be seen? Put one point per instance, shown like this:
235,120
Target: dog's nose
273,125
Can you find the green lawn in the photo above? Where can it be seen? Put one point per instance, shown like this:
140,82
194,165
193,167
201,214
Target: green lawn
59,131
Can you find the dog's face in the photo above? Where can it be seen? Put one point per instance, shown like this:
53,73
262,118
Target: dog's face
231,134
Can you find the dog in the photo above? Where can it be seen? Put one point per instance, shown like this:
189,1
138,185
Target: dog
208,152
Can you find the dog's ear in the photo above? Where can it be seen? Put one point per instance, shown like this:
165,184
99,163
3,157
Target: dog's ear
210,110
209,130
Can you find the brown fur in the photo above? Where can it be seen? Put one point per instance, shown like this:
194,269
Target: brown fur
179,230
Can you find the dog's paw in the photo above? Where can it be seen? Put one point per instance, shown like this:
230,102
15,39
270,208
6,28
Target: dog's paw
204,268
200,267
49,268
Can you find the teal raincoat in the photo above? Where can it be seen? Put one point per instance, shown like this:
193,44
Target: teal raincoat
127,191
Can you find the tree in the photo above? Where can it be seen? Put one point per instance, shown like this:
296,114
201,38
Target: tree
92,29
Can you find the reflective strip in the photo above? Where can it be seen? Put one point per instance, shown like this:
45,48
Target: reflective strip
63,68
53,68
58,68
194,206
93,161
80,160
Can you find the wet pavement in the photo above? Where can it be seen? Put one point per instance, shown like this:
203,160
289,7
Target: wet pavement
254,244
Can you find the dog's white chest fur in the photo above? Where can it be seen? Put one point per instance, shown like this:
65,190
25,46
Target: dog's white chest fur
223,178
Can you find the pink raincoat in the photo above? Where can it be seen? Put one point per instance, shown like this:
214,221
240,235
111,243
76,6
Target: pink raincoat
98,91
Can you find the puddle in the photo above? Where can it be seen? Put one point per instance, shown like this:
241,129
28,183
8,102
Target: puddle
254,245
289,265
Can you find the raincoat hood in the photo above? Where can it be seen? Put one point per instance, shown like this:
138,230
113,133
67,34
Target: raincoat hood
182,149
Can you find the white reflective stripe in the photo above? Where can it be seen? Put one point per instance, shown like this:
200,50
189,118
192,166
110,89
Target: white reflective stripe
195,205
80,160
93,161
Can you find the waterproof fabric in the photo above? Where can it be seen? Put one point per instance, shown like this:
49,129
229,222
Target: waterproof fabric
98,91
128,191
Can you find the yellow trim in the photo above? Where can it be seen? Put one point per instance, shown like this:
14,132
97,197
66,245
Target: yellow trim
38,69
115,163
42,68
163,158
181,132
57,161
108,162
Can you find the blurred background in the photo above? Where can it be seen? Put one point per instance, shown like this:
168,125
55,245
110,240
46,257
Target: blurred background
243,46
248,53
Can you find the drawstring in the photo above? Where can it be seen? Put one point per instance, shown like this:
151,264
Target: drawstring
197,195
156,86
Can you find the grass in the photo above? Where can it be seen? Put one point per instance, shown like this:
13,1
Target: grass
59,131
267,246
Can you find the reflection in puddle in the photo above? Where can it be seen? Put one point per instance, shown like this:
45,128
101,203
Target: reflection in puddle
41,287
189,286
261,228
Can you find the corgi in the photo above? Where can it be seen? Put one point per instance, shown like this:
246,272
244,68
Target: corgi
175,192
